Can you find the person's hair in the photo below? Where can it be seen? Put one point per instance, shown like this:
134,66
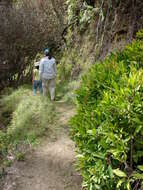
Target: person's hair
37,67
49,55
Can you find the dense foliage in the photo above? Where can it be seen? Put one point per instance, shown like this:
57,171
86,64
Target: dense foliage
108,127
27,27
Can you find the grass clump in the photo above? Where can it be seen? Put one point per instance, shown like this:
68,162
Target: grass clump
11,101
108,126
31,117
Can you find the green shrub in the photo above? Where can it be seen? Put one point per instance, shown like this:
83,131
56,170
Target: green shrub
108,126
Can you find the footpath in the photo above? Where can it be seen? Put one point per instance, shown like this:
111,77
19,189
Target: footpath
51,166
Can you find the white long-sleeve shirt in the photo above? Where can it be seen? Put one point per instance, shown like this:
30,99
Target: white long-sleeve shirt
47,68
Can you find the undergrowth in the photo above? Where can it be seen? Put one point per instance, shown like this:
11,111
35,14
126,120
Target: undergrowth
31,117
108,127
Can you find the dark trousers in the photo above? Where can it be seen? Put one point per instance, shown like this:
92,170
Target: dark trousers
37,84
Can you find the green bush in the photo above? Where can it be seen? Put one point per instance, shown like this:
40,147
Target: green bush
108,126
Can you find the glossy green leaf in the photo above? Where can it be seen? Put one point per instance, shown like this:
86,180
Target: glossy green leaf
140,167
137,175
110,171
128,186
121,181
119,173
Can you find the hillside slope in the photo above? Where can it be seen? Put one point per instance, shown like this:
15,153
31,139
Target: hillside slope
98,27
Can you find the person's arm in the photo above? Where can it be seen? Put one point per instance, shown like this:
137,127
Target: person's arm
33,77
41,69
55,68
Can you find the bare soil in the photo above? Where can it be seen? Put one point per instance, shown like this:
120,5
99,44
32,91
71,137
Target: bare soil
51,166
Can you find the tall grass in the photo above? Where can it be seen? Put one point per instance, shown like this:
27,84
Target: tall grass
31,117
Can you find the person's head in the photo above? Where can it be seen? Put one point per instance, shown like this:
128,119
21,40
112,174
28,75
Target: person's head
47,53
36,65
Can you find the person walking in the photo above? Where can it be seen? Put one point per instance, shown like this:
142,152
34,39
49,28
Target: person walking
47,71
37,84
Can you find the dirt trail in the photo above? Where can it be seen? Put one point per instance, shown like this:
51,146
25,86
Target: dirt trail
51,165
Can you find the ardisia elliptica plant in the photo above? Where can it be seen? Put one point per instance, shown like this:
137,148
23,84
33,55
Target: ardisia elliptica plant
108,126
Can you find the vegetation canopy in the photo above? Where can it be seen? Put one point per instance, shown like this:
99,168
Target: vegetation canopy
27,27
